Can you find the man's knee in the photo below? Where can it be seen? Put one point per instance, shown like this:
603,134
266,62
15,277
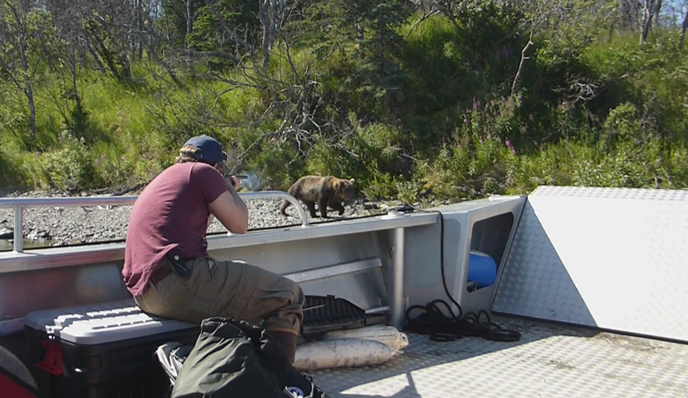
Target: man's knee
298,294
291,289
293,306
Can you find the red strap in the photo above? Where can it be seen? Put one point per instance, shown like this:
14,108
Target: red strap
52,362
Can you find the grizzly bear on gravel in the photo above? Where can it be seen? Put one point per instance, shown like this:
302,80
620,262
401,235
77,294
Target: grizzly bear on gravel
326,191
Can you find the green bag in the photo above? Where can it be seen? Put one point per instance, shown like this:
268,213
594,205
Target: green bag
238,359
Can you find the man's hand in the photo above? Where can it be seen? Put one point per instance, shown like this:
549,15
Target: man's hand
233,181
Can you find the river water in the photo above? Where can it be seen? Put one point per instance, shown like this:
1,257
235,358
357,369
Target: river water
8,245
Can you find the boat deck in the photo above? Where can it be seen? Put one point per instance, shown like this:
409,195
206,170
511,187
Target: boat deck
550,360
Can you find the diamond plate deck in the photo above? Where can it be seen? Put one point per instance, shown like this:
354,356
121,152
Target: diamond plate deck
549,361
609,258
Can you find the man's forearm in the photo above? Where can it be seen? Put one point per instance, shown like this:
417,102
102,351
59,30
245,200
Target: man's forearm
237,199
235,196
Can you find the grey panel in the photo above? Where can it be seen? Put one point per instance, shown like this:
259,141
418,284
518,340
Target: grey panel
610,258
365,289
485,225
535,281
23,292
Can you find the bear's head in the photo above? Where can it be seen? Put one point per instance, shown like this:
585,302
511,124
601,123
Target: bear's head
344,188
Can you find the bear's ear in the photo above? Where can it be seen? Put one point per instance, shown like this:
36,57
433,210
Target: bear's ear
352,180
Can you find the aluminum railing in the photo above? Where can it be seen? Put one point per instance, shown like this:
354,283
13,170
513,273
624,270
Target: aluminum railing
19,204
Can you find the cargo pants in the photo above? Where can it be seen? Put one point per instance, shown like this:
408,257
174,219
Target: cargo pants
231,289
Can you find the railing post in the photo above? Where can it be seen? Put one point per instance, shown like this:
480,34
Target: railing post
395,288
18,228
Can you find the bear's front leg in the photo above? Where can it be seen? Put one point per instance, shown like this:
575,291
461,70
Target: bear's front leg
337,206
323,207
311,208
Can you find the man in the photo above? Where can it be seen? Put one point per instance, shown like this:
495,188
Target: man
167,268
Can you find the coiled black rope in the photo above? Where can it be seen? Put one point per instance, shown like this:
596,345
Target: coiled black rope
432,321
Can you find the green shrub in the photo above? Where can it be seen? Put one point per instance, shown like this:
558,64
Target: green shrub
622,124
408,191
68,167
475,167
379,186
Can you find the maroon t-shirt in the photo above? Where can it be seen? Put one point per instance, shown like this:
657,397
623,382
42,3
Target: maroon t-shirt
171,212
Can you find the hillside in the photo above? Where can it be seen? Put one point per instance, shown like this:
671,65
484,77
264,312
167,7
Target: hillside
416,100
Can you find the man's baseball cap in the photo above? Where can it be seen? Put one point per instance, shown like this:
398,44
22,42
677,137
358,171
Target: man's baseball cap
208,149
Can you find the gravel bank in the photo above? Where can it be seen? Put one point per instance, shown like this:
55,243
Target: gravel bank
58,226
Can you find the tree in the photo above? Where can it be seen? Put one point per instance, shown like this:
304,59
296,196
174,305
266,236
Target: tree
21,27
629,14
373,27
68,18
537,14
684,26
651,9
571,23
272,17
225,30
112,35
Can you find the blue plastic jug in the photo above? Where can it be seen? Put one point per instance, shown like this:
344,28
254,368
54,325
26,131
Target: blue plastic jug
482,269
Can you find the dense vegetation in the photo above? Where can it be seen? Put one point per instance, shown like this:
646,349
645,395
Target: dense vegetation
414,99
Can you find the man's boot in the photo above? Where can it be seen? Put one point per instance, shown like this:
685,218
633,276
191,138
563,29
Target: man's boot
288,342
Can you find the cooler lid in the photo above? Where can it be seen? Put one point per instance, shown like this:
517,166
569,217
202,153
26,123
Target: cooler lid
101,323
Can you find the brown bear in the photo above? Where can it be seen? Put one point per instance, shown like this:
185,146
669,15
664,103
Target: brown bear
326,191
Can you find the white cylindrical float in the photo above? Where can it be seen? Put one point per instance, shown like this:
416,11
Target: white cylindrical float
338,353
388,335
348,348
